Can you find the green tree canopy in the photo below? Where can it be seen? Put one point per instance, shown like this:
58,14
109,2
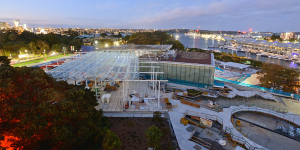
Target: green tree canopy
153,135
111,141
57,47
103,34
12,37
154,38
42,45
43,113
274,37
276,76
23,50
76,43
4,61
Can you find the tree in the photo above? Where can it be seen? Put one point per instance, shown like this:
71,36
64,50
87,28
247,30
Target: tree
51,39
103,34
274,37
76,43
27,36
43,46
291,40
176,44
276,76
157,116
119,35
12,37
111,141
4,61
23,50
57,47
2,37
126,38
154,38
153,135
33,48
42,113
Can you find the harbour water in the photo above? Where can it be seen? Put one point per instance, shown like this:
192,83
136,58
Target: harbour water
197,42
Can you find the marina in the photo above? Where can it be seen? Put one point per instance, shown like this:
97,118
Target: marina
251,51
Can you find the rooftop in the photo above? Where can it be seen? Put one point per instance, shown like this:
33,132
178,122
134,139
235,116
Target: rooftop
192,58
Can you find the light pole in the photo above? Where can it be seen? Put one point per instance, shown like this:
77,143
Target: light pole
26,54
45,54
64,51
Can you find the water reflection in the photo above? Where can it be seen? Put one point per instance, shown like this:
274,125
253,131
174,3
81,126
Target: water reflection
197,42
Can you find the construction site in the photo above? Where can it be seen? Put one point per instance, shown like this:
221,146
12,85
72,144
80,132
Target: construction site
203,113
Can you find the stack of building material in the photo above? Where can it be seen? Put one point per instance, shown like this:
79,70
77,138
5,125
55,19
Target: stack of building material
190,103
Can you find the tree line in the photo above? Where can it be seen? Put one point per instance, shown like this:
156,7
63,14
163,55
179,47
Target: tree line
154,38
37,112
11,42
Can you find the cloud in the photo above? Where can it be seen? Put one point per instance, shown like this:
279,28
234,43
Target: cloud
225,12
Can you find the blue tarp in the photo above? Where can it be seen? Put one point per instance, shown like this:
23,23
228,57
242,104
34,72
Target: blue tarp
219,68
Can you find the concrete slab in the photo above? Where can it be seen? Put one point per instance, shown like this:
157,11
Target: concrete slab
183,135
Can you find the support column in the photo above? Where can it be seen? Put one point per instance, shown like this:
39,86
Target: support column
158,102
123,92
96,89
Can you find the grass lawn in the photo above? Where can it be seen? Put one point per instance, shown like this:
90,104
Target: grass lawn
38,60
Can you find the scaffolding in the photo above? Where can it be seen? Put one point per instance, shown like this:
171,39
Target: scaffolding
110,66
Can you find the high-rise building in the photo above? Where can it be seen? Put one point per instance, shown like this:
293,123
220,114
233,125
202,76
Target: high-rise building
17,23
287,35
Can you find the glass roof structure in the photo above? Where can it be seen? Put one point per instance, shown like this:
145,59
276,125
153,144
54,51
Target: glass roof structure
100,65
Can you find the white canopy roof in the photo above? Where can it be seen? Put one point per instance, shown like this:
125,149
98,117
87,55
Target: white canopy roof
112,66
236,65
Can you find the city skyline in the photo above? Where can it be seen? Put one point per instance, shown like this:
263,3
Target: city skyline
229,15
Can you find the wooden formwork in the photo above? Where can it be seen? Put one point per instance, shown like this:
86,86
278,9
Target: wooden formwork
190,103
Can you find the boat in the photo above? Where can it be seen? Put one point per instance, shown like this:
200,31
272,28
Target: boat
275,56
270,56
280,57
225,46
258,54
287,59
264,55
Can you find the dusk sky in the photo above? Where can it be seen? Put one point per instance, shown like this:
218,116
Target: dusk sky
260,15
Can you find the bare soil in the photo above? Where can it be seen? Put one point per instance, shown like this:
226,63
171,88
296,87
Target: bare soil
131,131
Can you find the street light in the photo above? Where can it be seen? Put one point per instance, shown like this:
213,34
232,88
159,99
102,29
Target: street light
45,54
26,54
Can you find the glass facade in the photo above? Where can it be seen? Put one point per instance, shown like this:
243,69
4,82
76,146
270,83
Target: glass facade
192,75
